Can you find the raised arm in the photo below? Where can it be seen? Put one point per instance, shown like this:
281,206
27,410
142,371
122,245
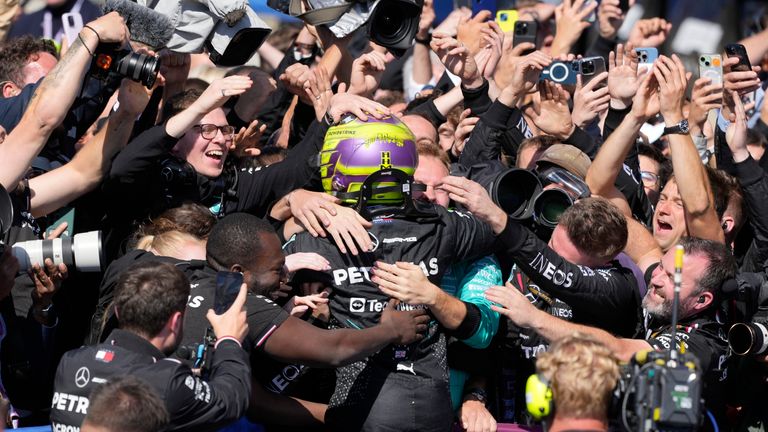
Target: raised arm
57,188
61,85
690,174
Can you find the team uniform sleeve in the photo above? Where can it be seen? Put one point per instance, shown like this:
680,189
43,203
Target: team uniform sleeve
472,238
196,404
481,275
604,291
264,317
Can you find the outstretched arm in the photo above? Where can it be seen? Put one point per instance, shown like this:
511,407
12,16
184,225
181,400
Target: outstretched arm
61,85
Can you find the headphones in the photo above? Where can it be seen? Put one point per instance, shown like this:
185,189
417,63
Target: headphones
538,397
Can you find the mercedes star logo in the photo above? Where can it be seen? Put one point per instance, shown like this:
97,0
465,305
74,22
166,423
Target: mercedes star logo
82,377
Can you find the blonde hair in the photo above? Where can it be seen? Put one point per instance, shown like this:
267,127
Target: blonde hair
169,243
582,373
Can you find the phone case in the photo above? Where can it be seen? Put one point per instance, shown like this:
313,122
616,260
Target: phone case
738,50
227,288
646,56
711,66
590,68
562,72
506,19
525,31
479,5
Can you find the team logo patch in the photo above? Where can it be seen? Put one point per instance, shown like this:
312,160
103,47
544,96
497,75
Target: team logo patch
82,377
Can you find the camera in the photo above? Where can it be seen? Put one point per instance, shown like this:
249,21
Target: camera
562,72
111,59
393,24
82,251
749,338
526,195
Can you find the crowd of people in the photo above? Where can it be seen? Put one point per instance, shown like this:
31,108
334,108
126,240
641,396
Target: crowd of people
339,237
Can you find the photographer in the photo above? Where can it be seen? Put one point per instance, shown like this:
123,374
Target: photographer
150,302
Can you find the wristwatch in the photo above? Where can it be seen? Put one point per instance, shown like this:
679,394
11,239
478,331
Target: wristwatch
679,129
477,394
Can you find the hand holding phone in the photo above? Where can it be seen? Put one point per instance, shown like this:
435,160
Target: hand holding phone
738,51
232,322
525,31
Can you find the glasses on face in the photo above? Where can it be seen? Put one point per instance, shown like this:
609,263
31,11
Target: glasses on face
649,179
208,131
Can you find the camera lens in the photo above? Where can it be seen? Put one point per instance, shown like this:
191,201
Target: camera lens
140,68
550,205
748,338
388,23
83,251
514,190
588,67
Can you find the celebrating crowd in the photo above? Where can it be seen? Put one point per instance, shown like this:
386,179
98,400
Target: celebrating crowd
494,226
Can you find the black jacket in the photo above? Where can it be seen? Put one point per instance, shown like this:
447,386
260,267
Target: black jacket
193,403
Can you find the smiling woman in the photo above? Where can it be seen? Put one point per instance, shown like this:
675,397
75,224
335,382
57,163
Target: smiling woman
206,145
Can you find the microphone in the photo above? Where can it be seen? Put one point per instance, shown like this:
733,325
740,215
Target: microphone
146,25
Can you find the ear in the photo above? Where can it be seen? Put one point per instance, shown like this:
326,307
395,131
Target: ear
703,301
176,322
727,223
9,89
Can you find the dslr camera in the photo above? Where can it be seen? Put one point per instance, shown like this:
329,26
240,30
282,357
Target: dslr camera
394,23
112,59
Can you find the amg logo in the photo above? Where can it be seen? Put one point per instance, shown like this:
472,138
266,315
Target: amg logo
399,240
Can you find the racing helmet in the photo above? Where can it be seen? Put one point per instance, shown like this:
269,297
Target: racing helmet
354,149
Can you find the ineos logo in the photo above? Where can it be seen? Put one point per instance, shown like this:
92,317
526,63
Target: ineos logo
82,377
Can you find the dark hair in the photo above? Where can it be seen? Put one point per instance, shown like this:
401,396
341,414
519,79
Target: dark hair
18,52
196,84
235,239
189,218
665,165
755,138
147,294
722,265
270,155
721,189
127,404
596,227
179,102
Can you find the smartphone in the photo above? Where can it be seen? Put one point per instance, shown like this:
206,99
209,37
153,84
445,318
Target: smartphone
590,68
646,57
711,66
592,17
480,5
738,50
506,19
526,31
227,288
624,5
562,72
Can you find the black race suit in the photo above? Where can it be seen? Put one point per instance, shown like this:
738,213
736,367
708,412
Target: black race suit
399,388
193,404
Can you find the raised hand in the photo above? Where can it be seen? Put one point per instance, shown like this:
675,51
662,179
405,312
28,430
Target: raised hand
646,103
110,28
469,31
569,19
551,114
524,77
476,200
590,101
318,91
456,58
466,125
649,32
247,140
426,19
610,18
623,80
366,73
344,102
705,96
297,78
740,82
671,76
490,53
220,90
736,135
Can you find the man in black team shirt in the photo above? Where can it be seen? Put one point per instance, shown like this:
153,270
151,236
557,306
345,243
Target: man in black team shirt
401,387
244,243
150,299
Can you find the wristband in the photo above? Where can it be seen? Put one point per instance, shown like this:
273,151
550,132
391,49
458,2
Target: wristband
426,41
79,36
94,32
223,338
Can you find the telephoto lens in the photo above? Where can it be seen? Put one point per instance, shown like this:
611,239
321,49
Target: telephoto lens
393,24
83,251
748,338
514,191
140,68
550,205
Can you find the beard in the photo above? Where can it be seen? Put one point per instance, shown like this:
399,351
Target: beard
662,311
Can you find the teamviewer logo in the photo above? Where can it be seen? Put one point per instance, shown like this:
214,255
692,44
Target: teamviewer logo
357,304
